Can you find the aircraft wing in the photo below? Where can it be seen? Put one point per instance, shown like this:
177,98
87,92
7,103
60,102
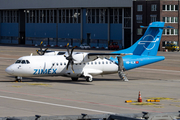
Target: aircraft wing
104,55
87,57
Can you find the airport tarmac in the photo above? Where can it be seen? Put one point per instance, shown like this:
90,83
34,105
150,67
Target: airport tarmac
47,96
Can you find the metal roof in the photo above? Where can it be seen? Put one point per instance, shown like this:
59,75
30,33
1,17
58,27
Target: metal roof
39,4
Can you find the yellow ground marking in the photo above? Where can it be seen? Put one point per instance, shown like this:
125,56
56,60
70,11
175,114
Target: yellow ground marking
176,101
175,105
144,103
158,106
39,84
16,86
160,98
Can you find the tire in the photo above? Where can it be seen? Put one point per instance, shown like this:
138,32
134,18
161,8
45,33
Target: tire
89,79
74,79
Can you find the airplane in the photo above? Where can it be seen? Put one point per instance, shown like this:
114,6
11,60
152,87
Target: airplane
87,65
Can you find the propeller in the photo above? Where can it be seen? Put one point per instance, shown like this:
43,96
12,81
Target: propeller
70,58
121,68
41,52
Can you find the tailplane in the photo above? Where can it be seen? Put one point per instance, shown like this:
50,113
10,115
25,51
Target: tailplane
148,44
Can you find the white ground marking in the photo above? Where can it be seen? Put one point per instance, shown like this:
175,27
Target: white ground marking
158,70
59,105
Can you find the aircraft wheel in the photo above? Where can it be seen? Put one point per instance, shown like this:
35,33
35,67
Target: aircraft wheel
89,79
18,79
74,79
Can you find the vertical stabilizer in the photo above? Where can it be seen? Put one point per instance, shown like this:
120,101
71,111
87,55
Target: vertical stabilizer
148,44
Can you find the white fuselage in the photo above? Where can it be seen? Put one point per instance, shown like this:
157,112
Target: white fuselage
56,66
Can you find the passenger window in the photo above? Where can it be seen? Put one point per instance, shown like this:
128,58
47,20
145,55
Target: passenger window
23,62
79,63
106,62
102,62
27,61
88,63
91,63
109,62
95,62
57,64
84,63
64,63
99,62
60,63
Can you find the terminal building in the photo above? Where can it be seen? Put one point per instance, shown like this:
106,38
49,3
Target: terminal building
93,22
57,22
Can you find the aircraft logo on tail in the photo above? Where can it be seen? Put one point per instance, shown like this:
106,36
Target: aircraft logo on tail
149,42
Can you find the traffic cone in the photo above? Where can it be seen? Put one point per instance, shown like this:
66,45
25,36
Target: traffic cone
139,97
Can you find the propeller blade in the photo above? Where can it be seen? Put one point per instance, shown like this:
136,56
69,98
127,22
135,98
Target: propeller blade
38,52
44,51
70,58
68,48
68,65
72,50
41,45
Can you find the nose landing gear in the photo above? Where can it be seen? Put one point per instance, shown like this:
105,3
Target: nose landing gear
18,79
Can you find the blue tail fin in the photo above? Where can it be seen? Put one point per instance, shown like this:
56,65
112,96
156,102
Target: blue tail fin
148,44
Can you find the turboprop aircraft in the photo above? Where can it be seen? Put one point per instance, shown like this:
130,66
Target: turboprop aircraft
87,65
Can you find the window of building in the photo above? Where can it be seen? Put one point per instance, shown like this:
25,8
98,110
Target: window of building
164,7
153,18
139,7
170,19
170,32
176,7
170,7
127,17
139,31
97,15
139,18
176,31
9,16
176,19
154,7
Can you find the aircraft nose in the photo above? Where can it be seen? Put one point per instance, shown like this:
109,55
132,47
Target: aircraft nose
9,70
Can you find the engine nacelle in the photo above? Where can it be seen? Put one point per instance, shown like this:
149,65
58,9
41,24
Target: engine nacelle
81,57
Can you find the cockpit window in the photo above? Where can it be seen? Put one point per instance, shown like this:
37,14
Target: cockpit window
27,61
23,62
18,61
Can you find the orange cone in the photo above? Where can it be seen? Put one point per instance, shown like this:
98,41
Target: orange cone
139,97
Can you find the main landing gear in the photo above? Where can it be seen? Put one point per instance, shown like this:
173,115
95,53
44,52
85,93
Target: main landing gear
18,79
89,79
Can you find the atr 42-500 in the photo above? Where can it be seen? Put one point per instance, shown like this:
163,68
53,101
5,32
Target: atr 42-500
87,65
